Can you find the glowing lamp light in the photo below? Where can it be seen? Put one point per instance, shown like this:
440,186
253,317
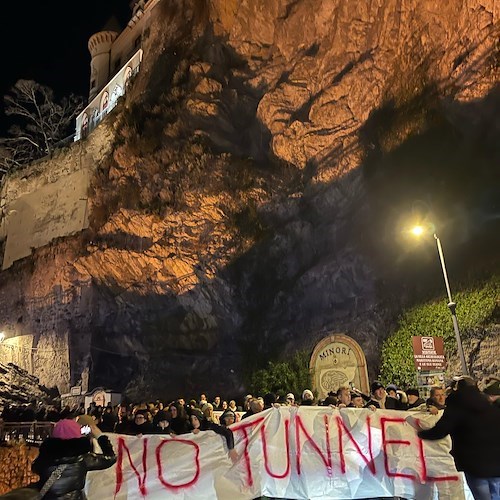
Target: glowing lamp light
417,230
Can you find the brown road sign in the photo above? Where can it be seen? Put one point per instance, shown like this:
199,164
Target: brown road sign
428,353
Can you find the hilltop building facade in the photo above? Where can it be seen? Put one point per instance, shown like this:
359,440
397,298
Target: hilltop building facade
116,58
50,202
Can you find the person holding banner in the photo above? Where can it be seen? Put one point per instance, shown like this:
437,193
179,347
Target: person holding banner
380,399
227,418
200,423
178,419
473,424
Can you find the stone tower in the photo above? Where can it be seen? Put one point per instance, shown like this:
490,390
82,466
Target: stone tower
100,66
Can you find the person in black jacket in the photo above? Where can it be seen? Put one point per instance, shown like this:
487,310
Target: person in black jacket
380,399
162,425
200,423
414,399
179,423
108,420
141,424
68,446
474,426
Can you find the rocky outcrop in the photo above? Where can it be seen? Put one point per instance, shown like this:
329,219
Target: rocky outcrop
18,387
260,170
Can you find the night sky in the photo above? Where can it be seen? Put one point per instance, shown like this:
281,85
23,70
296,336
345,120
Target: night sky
46,41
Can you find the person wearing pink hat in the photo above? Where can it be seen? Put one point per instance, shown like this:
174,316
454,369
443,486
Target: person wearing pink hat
71,447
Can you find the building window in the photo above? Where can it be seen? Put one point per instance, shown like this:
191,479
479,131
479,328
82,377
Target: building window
137,42
85,125
95,118
127,75
92,84
104,101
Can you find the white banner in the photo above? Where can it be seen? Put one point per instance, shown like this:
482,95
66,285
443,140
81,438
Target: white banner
287,452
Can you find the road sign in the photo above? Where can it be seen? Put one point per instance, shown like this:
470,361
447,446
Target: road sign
428,353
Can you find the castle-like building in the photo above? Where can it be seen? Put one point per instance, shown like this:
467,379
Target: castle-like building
51,201
116,57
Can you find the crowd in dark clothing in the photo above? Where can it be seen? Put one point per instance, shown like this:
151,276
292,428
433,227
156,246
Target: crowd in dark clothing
35,412
174,416
470,416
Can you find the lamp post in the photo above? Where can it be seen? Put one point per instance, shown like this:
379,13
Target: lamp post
452,306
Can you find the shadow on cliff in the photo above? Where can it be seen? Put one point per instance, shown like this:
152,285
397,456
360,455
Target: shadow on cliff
206,71
445,171
153,345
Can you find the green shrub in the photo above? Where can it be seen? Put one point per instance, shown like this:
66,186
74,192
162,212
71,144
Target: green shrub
475,308
283,377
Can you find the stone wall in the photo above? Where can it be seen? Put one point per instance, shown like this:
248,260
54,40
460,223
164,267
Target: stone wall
40,298
18,350
49,199
51,360
16,459
53,210
42,314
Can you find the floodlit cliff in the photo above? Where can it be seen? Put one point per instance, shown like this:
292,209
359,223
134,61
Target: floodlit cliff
248,195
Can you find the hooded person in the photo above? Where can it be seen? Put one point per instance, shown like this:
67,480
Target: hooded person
415,402
270,400
179,423
162,425
227,418
307,398
199,423
108,420
472,423
69,448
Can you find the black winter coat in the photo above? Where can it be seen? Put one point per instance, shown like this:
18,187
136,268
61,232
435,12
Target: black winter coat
179,425
78,454
474,426
205,425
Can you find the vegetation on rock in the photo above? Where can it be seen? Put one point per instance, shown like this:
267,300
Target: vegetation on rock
476,308
40,123
291,375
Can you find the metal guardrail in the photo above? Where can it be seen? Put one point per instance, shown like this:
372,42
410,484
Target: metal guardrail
33,433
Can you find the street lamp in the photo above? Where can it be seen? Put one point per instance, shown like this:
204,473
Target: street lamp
452,306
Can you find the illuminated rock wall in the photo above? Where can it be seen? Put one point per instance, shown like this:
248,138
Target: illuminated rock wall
16,460
19,351
245,201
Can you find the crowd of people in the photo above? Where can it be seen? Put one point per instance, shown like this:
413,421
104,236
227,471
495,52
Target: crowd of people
174,417
470,416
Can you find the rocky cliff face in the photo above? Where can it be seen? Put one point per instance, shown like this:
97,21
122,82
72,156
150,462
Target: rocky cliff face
262,167
18,387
